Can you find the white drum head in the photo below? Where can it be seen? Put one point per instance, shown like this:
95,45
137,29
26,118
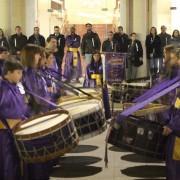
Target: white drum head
79,108
41,124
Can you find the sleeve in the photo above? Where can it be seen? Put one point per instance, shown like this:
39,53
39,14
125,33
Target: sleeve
83,46
43,41
63,42
98,42
140,49
11,45
104,46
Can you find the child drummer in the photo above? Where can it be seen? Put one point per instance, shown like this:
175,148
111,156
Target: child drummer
12,106
94,71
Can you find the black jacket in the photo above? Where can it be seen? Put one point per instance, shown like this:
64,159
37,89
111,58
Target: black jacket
90,43
108,46
38,40
4,43
135,52
153,46
21,41
121,41
60,45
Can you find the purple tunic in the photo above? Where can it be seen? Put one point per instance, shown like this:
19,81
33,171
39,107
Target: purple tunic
12,106
72,68
93,68
35,83
173,166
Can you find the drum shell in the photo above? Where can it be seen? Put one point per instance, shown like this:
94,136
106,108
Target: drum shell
141,136
48,146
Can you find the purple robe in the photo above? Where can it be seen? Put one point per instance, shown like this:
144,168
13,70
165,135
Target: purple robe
173,166
93,68
49,75
35,83
12,106
70,69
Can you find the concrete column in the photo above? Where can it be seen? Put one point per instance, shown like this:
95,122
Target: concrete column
17,14
5,15
31,13
140,26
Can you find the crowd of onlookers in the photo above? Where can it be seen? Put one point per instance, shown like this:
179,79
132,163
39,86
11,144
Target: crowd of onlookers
90,42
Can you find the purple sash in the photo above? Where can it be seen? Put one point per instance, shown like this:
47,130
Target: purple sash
150,99
157,88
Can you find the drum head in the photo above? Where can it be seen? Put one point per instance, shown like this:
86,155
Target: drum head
41,124
80,108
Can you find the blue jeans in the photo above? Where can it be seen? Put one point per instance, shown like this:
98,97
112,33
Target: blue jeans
155,65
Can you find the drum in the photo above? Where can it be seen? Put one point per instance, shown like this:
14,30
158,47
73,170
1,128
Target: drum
126,92
46,137
88,116
141,136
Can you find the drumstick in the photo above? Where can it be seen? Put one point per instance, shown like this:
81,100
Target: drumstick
65,84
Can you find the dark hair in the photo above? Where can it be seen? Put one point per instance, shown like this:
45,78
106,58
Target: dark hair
92,59
27,54
110,32
11,65
56,27
133,33
120,27
2,32
3,49
18,27
155,30
88,24
175,31
36,27
51,37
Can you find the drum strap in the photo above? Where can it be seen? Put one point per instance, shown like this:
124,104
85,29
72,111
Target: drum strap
140,105
157,88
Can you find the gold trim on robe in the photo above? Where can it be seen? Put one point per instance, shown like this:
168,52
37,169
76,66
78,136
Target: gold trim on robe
97,77
75,55
12,123
176,152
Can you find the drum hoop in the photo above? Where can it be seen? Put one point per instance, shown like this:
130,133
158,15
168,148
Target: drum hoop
43,132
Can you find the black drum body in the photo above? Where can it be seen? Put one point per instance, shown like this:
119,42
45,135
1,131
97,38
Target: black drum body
141,136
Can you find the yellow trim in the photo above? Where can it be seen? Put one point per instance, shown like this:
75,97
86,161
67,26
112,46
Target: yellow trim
73,49
75,55
177,103
176,152
96,77
12,123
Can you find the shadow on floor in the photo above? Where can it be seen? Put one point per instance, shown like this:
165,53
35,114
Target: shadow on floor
140,158
78,160
149,171
84,148
75,171
117,149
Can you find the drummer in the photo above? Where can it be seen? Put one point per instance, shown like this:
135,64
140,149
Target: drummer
12,106
45,65
172,118
94,72
33,80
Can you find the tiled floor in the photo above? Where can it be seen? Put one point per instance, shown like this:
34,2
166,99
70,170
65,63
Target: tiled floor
87,163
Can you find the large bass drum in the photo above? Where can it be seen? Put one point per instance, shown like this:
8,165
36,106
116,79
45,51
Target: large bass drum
139,135
88,116
46,137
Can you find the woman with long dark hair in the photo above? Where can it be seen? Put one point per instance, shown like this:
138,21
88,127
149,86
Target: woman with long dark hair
3,40
94,71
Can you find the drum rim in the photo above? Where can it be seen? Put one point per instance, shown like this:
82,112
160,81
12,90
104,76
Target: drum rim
43,132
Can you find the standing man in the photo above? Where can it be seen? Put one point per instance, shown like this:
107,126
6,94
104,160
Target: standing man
60,46
17,41
37,38
121,40
90,43
109,45
72,68
165,40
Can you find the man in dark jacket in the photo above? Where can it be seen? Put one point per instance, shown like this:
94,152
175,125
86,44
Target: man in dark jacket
17,41
135,56
90,43
60,45
37,38
165,38
121,40
109,45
